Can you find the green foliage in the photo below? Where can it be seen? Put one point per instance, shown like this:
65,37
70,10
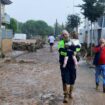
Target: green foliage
58,28
92,9
72,22
19,27
62,26
33,28
13,25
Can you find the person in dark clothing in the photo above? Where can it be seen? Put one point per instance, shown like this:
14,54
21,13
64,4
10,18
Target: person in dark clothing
76,49
62,54
68,71
70,64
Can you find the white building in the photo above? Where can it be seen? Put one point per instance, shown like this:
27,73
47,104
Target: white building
88,36
98,31
5,34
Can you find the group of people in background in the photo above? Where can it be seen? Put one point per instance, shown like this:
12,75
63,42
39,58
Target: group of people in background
68,60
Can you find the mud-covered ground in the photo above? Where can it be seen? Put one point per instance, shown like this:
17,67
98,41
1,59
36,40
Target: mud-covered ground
37,81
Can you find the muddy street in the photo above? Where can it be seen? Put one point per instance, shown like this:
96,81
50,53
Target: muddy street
38,81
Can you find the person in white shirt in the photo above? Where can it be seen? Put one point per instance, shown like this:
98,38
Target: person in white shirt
51,41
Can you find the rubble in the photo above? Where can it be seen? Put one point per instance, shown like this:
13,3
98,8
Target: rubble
28,45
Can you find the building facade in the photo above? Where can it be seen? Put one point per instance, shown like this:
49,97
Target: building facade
89,36
5,34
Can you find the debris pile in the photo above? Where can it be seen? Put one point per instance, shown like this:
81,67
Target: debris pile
28,45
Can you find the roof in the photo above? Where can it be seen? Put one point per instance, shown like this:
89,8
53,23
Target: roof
6,2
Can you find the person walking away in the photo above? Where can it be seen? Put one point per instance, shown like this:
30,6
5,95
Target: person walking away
100,66
51,41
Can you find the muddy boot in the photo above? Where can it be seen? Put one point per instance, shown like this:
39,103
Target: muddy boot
70,92
65,98
64,89
103,88
97,85
66,94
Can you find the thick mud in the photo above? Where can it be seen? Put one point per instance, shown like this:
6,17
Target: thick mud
38,81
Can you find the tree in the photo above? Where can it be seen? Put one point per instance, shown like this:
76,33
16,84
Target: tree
13,25
19,27
58,28
73,21
42,28
92,9
50,30
33,28
62,26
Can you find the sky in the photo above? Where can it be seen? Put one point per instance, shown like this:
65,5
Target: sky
47,10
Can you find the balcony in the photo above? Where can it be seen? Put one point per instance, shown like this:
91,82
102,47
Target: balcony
6,19
6,2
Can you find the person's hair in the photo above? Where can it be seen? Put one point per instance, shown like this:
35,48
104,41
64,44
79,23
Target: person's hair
65,32
102,41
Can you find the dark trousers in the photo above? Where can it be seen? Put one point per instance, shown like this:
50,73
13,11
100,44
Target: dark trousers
68,75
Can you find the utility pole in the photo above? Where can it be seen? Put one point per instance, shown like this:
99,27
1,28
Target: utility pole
73,7
0,13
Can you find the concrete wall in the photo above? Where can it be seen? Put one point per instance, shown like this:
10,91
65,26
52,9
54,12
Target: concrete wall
6,45
6,40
